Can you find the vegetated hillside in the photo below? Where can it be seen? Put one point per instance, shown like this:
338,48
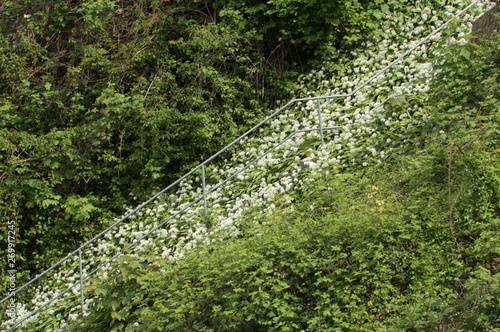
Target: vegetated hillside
98,98
392,225
412,244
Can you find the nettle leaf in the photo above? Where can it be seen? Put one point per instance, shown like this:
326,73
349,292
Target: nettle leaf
34,183
48,202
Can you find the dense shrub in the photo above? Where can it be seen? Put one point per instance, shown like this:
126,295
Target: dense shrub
104,98
367,250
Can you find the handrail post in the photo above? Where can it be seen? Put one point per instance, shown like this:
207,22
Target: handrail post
320,124
449,39
204,194
81,280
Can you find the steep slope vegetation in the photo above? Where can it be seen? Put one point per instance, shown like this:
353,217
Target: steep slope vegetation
367,232
100,97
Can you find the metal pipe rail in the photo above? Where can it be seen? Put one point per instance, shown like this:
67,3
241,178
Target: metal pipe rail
321,129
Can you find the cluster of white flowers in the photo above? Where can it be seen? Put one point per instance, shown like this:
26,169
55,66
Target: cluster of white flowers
372,134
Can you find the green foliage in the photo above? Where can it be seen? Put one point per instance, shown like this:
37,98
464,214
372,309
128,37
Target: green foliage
315,22
468,95
409,245
101,98
367,251
313,26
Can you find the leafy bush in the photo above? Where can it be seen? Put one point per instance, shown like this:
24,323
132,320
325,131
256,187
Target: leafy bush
314,25
101,98
367,250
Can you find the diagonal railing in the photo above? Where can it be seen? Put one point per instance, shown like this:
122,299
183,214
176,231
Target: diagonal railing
321,129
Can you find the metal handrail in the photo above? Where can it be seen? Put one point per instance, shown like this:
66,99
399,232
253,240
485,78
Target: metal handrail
202,166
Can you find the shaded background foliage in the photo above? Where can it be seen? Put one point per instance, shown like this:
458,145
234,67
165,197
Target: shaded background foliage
100,98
